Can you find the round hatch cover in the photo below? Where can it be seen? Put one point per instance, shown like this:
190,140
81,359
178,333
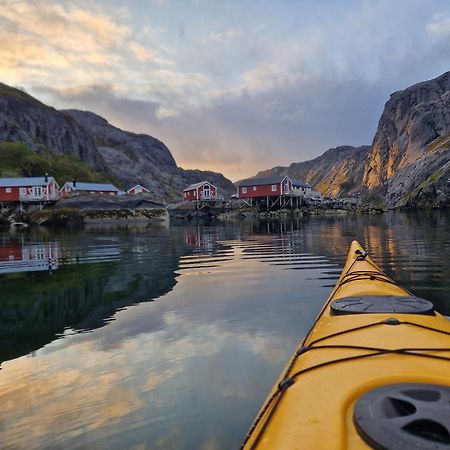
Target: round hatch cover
405,416
372,304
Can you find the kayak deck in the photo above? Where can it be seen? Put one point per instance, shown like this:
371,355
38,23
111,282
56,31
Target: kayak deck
347,354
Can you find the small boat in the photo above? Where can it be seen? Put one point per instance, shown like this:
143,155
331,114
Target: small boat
372,372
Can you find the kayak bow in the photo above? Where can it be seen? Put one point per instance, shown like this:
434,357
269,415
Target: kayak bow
373,372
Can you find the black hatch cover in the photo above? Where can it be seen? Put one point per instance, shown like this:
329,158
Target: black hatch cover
405,416
373,304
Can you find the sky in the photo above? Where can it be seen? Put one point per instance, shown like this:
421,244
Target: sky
231,86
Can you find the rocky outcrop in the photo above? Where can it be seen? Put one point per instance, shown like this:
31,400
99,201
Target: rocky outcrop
25,119
412,119
128,157
425,183
337,172
407,148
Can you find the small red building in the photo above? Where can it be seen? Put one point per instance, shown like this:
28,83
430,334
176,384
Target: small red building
71,187
264,187
138,189
31,189
200,191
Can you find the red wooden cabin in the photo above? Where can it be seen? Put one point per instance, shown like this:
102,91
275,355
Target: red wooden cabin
264,187
31,189
200,191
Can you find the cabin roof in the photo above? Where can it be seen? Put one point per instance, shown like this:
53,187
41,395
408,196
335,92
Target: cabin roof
138,186
26,181
196,185
260,181
93,186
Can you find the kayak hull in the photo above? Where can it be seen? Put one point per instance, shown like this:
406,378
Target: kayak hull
346,356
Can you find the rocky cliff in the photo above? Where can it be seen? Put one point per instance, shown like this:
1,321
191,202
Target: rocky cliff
410,144
128,157
408,161
337,172
25,119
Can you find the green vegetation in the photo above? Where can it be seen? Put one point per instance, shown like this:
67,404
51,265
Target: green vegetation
433,178
439,143
17,160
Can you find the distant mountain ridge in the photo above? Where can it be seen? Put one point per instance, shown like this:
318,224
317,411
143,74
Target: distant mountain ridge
343,168
408,161
128,157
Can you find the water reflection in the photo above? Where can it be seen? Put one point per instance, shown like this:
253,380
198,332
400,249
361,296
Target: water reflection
17,255
191,369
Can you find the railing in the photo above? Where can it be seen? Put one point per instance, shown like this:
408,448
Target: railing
38,198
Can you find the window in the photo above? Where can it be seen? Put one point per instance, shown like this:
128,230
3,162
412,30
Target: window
23,191
254,188
244,190
8,190
274,188
37,191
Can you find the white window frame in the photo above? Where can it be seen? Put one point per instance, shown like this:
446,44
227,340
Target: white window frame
274,188
244,189
23,191
8,190
254,188
37,191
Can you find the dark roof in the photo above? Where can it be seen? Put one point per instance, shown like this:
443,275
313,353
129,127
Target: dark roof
28,181
260,181
300,183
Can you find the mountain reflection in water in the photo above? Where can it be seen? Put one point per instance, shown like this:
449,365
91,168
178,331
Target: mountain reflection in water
92,361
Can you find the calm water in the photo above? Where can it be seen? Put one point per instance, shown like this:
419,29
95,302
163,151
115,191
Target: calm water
170,338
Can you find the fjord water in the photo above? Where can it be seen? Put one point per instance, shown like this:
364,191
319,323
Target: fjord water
170,337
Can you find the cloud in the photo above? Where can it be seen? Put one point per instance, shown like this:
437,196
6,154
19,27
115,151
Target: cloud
223,36
140,52
439,26
228,88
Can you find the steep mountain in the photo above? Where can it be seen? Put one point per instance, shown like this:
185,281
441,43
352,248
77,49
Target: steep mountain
86,137
27,120
336,172
408,163
410,144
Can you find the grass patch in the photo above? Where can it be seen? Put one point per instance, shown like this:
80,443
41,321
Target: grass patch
17,160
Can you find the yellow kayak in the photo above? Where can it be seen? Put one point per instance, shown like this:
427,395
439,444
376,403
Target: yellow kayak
373,372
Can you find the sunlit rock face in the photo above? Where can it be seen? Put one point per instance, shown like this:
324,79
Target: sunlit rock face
338,171
410,144
408,163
